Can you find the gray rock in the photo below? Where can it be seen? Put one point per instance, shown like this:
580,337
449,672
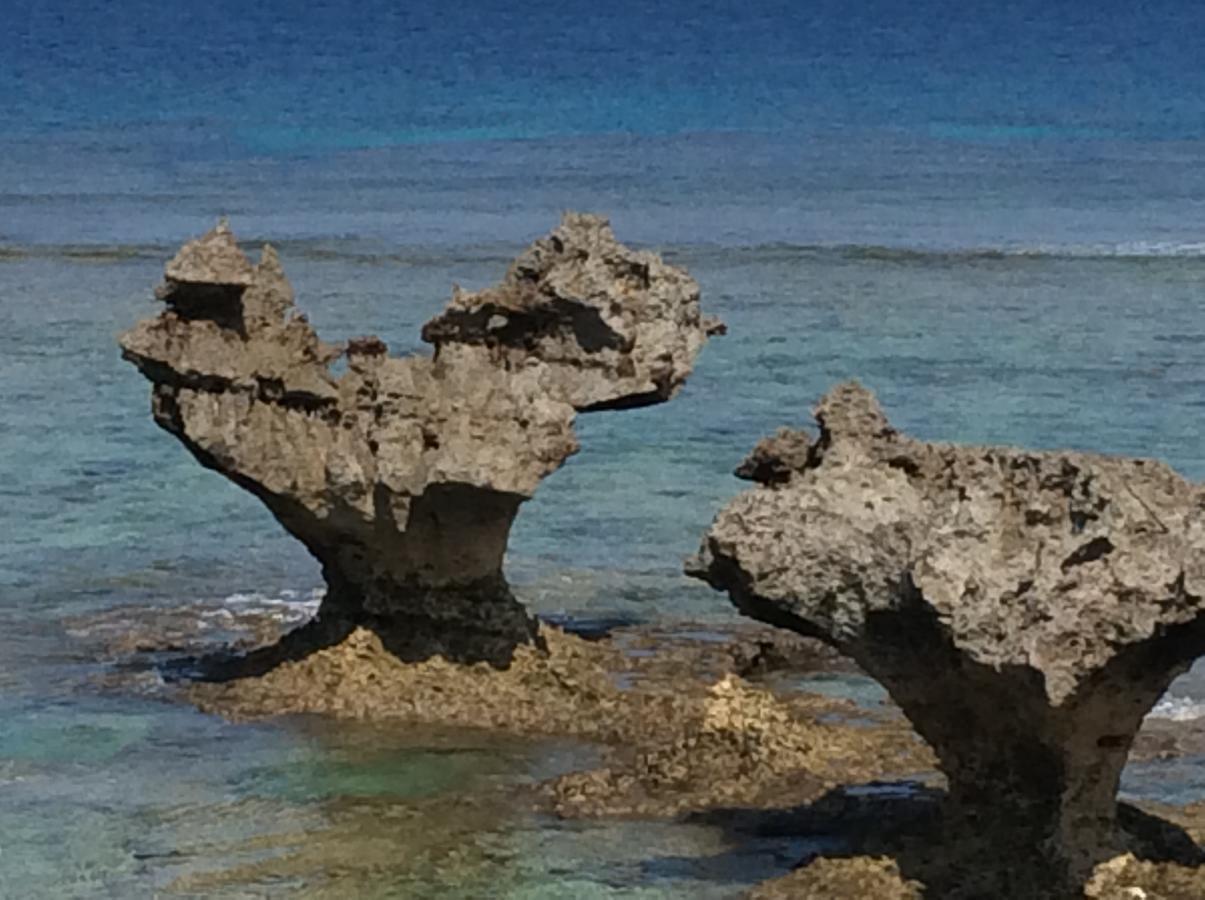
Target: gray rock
1024,609
403,475
615,328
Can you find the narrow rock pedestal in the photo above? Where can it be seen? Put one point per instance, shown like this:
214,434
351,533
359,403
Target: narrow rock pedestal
402,476
1024,609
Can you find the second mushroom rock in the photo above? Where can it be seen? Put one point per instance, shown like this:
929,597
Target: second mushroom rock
403,475
1024,609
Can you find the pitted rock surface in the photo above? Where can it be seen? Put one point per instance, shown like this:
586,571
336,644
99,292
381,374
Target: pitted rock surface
1024,609
614,327
403,475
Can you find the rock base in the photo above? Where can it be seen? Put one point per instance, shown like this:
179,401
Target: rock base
739,745
563,689
865,877
901,847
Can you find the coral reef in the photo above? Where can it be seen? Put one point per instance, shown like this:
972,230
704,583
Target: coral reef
739,745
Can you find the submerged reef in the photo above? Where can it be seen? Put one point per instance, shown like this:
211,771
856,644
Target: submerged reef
1024,609
402,476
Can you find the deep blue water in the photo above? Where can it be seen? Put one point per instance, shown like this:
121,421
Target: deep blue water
935,124
994,217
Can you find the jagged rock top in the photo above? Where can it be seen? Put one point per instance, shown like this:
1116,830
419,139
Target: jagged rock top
1054,561
400,424
776,457
618,328
403,474
214,259
230,323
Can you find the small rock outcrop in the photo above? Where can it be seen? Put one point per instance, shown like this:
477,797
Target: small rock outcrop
402,476
1024,609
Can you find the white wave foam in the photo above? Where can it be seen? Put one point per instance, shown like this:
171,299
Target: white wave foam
1178,709
1138,249
1123,249
287,606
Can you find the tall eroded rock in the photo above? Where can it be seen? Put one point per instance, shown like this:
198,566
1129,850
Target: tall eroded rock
1024,609
403,475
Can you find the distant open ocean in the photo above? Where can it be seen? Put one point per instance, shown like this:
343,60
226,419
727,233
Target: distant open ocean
993,217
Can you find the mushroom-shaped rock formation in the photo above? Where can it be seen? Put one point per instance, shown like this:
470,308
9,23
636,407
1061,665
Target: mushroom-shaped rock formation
402,476
1024,609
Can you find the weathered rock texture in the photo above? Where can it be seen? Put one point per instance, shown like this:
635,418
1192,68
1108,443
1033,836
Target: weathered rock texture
828,879
863,878
740,746
403,475
613,328
1024,609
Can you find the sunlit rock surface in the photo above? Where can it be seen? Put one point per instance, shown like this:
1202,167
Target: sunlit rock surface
403,475
613,328
1024,609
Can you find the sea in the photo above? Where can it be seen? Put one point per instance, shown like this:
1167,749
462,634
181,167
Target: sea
991,214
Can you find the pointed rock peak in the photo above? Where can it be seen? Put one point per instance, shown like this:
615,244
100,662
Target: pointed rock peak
269,278
776,458
403,475
214,259
269,260
584,227
270,296
851,411
578,238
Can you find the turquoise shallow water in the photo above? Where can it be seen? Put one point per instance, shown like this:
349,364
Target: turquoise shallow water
1093,353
